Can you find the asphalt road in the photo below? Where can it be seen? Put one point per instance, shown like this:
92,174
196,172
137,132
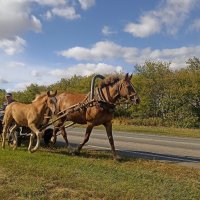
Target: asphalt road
183,151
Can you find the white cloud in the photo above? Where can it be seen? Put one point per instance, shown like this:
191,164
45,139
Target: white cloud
36,24
50,2
86,4
45,76
100,50
106,50
12,46
65,9
195,25
36,73
48,15
3,80
106,30
16,18
168,17
86,70
66,12
19,75
147,26
19,78
16,64
22,86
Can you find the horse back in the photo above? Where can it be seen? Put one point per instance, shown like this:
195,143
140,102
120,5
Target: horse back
65,100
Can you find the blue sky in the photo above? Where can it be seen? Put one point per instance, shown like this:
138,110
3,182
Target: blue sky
42,41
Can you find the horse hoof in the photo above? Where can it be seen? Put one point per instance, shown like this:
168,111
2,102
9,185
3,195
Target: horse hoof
75,153
117,158
33,150
70,149
52,142
30,150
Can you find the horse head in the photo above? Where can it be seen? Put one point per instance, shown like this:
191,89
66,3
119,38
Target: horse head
52,102
127,90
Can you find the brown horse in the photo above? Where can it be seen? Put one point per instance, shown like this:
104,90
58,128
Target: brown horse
109,92
29,115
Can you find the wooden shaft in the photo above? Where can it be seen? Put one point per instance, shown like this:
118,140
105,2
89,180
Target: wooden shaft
68,111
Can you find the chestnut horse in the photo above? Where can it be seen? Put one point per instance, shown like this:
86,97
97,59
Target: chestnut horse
29,115
109,92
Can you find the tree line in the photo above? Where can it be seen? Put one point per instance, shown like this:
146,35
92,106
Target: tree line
168,97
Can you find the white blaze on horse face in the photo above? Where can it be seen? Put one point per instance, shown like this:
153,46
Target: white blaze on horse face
54,100
52,104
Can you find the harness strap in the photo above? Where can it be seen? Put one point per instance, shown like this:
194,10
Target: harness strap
101,95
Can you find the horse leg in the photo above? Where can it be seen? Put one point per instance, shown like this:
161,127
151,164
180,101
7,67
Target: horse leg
64,134
39,136
7,122
54,136
108,127
14,135
86,138
31,141
5,130
56,129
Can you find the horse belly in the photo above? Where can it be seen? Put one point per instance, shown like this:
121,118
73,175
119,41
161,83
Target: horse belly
97,116
19,117
77,117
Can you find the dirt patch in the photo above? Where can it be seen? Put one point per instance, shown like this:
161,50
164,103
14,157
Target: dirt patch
2,175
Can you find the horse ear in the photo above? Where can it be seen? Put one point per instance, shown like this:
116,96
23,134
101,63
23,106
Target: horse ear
55,93
48,93
126,77
130,76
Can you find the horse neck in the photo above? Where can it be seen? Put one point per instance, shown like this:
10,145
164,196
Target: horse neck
111,93
40,105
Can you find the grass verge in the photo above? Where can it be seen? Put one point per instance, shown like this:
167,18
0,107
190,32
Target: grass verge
54,174
169,131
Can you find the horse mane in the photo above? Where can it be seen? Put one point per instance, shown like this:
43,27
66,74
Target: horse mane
39,96
109,81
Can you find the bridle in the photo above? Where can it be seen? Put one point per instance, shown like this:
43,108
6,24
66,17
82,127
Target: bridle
129,96
102,97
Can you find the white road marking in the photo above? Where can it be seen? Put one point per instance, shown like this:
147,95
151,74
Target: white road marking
81,130
146,139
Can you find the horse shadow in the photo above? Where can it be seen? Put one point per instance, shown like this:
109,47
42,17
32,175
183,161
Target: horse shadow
161,157
127,155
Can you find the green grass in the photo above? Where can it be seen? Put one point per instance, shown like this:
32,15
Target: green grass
55,174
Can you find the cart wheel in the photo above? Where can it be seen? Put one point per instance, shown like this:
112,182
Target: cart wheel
19,140
47,135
